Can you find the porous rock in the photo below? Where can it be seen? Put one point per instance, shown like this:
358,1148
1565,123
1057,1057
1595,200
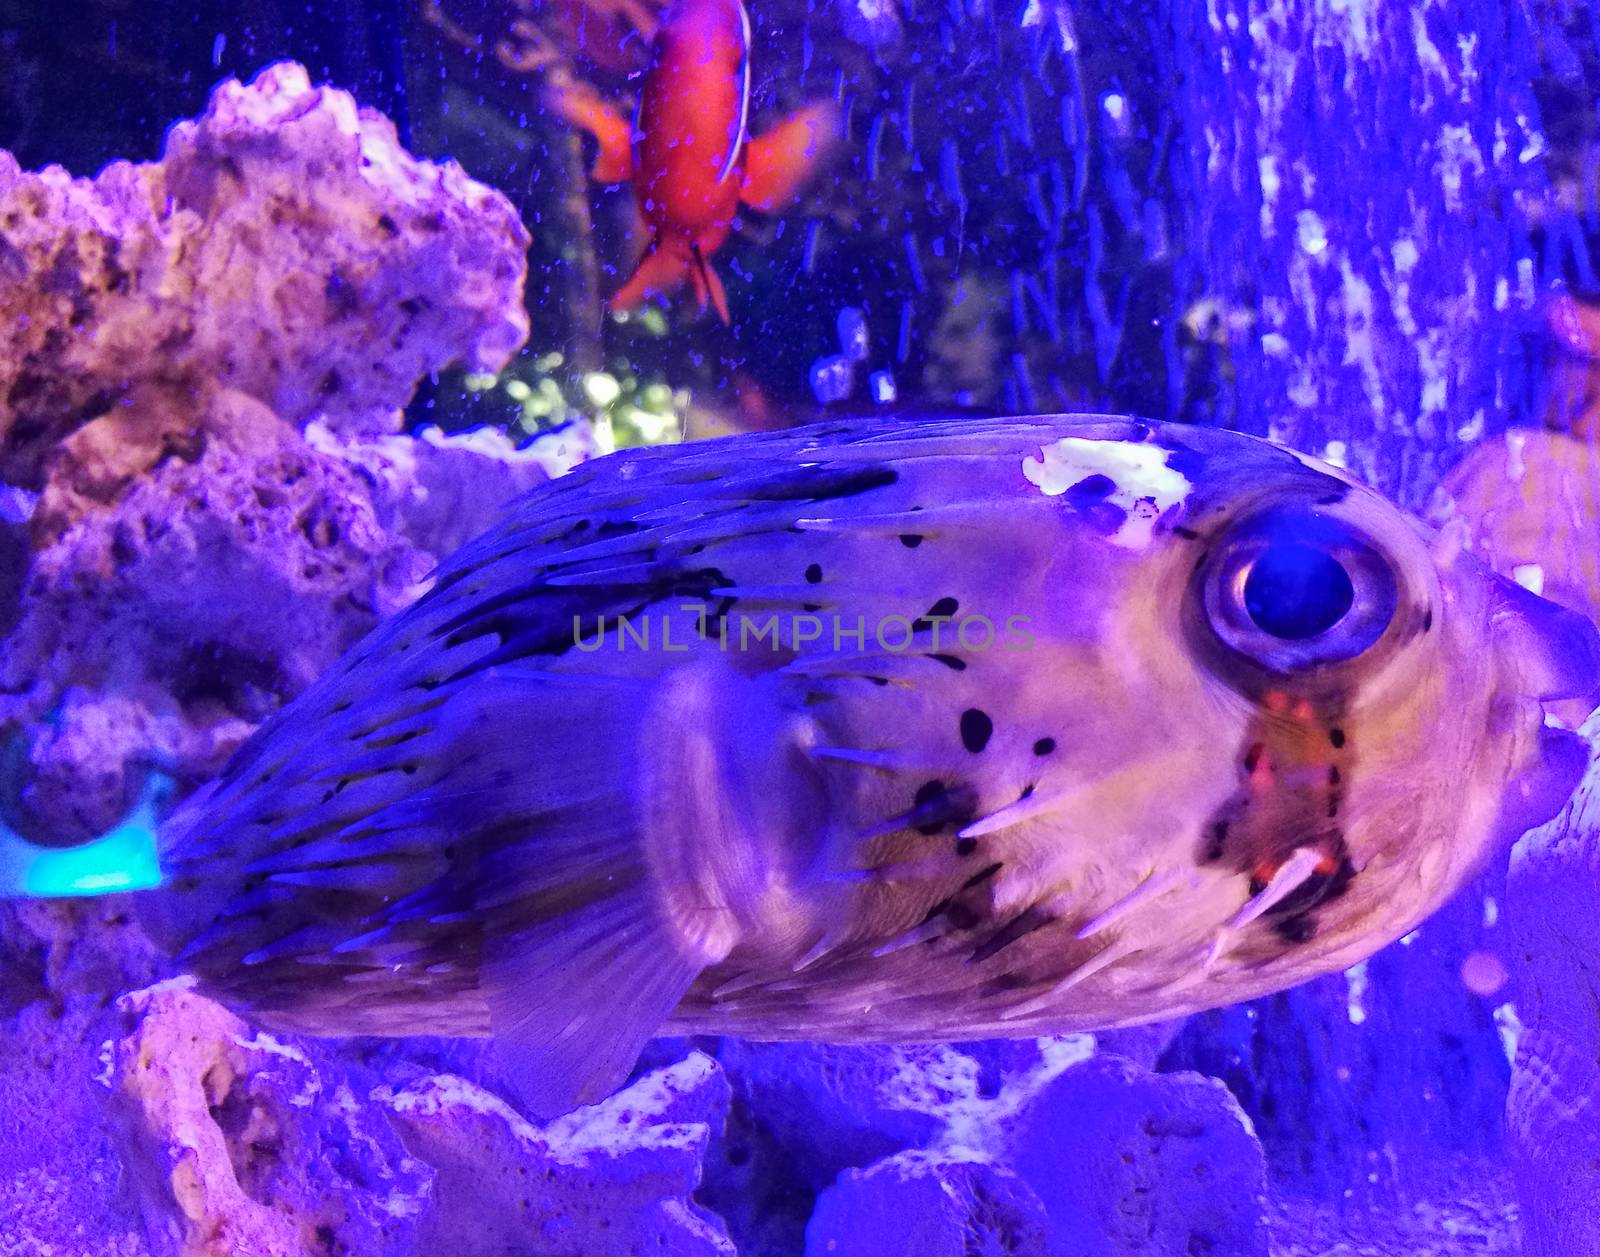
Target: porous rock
166,330
611,1180
437,489
1555,1082
238,1143
929,1204
141,627
285,246
63,1189
1126,1161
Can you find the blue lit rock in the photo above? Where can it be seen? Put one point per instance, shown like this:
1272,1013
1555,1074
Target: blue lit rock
238,1143
1130,1162
833,1108
1554,1134
612,1180
929,1204
63,1185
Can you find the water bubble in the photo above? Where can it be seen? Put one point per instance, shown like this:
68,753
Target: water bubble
1483,973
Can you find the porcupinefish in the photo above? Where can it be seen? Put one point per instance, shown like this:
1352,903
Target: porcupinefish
861,732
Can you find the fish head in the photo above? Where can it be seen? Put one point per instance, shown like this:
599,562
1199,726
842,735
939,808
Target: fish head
1361,700
711,35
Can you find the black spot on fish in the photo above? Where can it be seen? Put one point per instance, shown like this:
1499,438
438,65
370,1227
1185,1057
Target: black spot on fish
1188,463
953,662
1252,757
814,574
1336,737
966,846
1020,926
1216,843
1006,983
820,484
1296,929
1104,517
910,540
944,609
1333,774
1427,620
1044,746
1093,488
938,808
981,876
1188,534
976,729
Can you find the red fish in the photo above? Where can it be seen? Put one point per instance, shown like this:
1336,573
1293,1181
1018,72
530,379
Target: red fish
689,152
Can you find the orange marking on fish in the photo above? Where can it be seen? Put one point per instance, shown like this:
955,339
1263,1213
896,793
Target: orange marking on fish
689,153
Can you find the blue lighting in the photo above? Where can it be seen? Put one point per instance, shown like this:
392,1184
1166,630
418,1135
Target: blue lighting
122,859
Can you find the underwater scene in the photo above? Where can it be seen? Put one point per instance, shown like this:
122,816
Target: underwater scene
799,628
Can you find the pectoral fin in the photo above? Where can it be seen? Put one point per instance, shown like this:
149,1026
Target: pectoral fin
778,162
598,921
583,109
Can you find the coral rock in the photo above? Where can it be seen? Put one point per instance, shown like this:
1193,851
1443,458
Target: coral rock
926,1204
239,1144
1130,1162
343,269
439,490
613,1180
141,625
286,246
1555,1140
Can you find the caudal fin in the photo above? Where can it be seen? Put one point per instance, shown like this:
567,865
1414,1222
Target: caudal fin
660,273
708,286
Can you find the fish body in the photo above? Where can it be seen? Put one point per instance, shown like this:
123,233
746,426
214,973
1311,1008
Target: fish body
688,151
861,732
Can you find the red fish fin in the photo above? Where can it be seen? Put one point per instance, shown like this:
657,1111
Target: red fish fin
708,286
586,111
778,162
661,271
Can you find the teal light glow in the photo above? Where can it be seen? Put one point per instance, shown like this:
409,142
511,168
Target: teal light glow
122,859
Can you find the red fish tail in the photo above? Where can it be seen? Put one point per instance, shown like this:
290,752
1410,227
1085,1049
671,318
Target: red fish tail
708,286
660,272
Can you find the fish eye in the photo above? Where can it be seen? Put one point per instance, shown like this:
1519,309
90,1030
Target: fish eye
1294,590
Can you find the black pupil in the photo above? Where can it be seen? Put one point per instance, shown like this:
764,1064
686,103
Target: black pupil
1295,592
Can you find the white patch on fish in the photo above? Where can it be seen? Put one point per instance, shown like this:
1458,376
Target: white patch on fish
1146,488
